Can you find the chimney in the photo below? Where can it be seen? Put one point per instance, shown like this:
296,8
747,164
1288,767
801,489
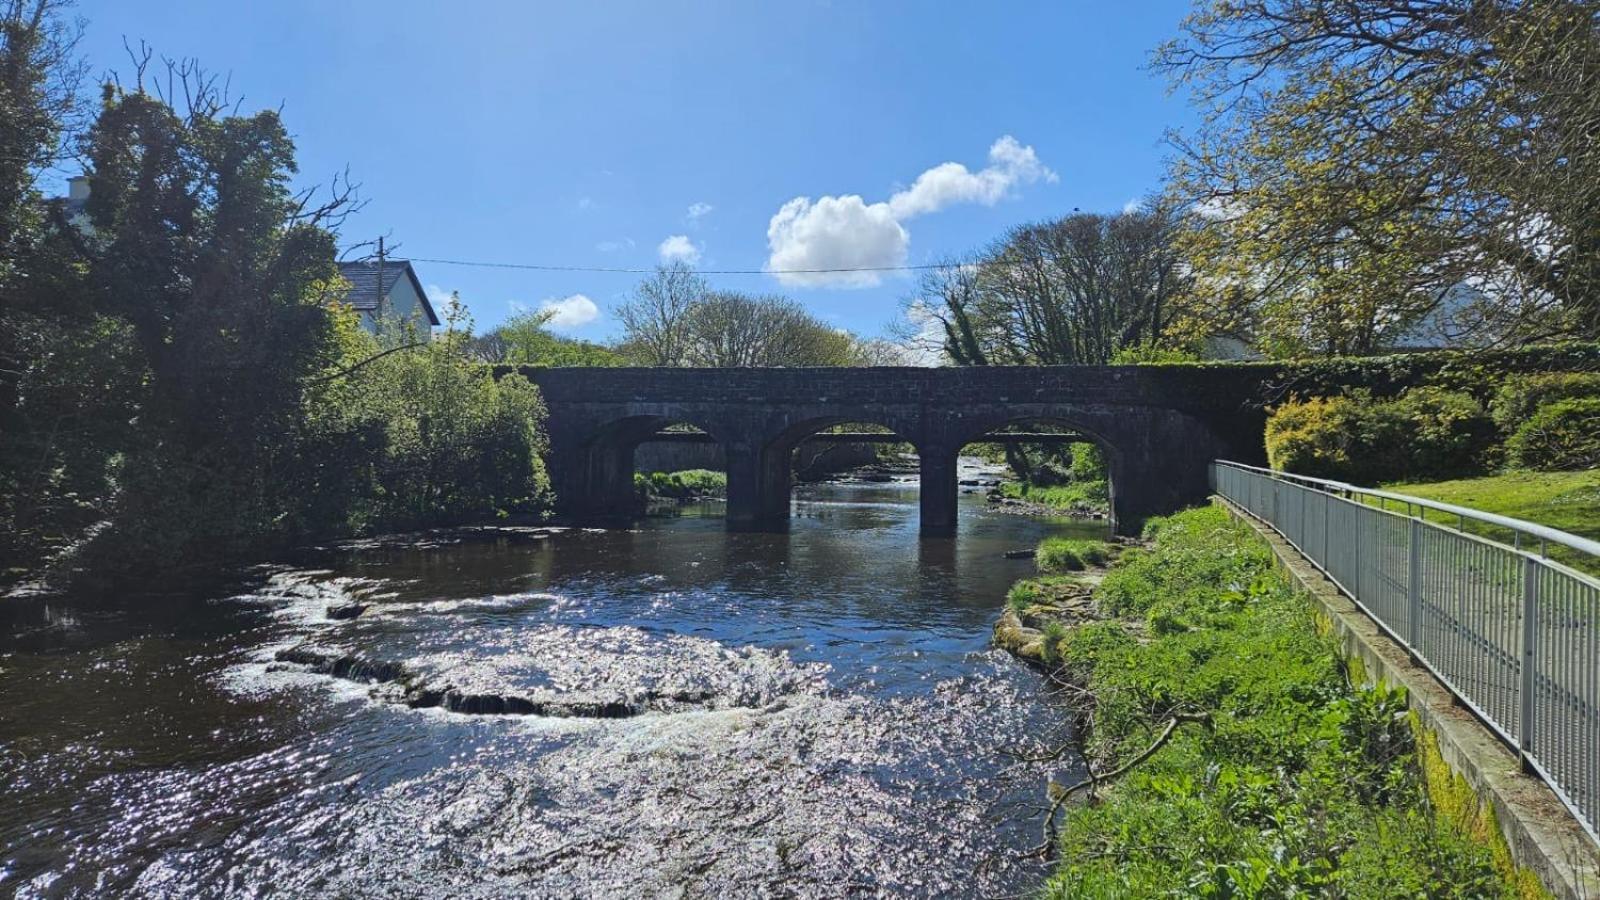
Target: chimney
78,187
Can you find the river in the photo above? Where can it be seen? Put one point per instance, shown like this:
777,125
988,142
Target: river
664,710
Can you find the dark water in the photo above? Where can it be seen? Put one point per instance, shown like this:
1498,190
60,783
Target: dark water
665,711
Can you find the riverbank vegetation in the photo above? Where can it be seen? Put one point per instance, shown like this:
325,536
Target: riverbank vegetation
1235,754
182,386
1062,554
688,484
1070,478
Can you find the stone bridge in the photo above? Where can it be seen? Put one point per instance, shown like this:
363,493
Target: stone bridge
1158,426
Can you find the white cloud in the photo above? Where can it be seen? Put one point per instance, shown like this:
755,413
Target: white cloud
847,232
440,298
834,233
571,312
678,248
626,243
699,210
1132,206
1010,165
585,202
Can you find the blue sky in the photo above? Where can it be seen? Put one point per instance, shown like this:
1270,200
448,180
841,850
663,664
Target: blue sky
608,133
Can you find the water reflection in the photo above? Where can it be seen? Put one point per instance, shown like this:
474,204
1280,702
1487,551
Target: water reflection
811,712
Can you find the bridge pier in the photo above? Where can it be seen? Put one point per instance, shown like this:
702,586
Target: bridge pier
758,486
938,493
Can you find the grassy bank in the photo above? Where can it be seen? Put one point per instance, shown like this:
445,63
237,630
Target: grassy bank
1277,776
1569,501
686,484
1072,495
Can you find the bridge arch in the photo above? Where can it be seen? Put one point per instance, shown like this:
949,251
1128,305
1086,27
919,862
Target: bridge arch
603,468
780,447
995,425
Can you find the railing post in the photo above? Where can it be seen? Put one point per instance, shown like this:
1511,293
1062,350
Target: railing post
1300,494
1327,529
1414,588
1530,642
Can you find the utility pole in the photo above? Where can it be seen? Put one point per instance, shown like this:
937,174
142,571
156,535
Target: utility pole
379,311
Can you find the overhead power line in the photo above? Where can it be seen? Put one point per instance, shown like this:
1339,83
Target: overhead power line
626,271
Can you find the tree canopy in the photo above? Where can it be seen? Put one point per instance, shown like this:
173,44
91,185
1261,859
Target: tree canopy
1372,167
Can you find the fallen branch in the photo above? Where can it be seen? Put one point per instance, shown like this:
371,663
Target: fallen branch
1093,781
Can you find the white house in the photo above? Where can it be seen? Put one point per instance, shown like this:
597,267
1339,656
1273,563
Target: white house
400,297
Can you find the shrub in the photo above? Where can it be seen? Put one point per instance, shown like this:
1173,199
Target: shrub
1559,436
1522,395
1059,554
686,484
1022,595
1447,433
422,437
1328,437
1428,432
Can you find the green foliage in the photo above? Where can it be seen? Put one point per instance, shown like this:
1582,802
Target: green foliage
1301,784
203,250
525,339
1450,432
1022,595
182,389
1059,554
1361,160
1088,464
422,437
1074,495
1477,372
1562,435
1521,395
686,484
1425,432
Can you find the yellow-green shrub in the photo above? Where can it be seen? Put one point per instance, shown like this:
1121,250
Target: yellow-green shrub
1427,432
1559,436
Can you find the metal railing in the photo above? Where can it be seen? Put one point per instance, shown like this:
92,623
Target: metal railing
1514,634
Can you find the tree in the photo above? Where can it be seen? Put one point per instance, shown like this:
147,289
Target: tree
675,319
1071,291
1372,164
728,329
223,275
63,385
525,339
40,73
655,318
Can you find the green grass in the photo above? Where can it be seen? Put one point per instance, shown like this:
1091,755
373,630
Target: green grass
1074,495
687,484
1299,784
1061,554
1569,501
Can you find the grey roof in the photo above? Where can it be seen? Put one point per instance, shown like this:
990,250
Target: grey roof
363,277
